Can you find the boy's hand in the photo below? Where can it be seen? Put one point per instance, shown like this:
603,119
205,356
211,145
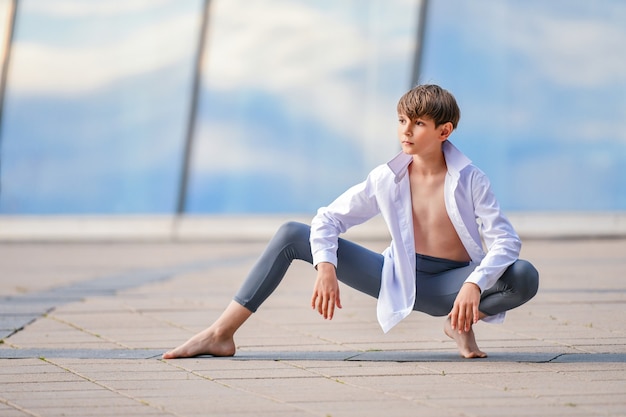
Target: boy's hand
465,310
326,291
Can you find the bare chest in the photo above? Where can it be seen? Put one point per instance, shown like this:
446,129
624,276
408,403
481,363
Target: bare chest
433,230
428,203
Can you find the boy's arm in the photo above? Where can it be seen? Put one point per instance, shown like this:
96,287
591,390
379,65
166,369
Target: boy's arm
353,207
503,246
502,242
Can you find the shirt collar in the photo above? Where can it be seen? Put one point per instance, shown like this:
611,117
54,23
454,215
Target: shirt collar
455,160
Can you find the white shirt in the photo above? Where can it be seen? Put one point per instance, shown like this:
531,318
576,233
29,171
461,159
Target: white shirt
470,204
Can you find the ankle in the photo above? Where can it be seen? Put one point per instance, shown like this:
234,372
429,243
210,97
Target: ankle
220,332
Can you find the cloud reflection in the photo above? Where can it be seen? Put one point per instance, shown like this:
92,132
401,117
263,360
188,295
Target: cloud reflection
40,69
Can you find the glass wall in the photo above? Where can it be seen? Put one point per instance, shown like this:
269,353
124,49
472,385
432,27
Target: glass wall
297,101
542,89
5,24
96,106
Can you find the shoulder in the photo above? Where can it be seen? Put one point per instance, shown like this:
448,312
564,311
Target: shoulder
473,183
474,174
381,173
381,170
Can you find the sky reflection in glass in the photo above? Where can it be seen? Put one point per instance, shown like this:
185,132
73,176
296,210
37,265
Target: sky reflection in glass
96,106
298,99
542,89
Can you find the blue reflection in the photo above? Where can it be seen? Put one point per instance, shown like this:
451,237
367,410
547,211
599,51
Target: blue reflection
298,102
96,106
542,90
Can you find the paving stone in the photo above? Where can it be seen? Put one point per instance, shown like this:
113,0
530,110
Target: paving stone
591,357
305,389
36,378
562,354
104,411
16,321
379,407
8,411
79,353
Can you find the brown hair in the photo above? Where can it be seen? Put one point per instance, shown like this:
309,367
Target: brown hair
430,101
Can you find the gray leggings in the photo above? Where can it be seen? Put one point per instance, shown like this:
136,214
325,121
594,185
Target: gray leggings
438,280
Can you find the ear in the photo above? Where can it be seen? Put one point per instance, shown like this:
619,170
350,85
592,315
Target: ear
445,131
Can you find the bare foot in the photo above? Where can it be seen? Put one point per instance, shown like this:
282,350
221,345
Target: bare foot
216,340
207,342
466,341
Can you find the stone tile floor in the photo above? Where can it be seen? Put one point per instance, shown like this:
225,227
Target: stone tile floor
83,326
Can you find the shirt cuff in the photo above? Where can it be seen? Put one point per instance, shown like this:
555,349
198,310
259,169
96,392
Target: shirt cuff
324,257
478,280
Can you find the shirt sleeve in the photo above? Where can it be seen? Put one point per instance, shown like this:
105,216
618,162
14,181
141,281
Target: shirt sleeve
355,206
502,242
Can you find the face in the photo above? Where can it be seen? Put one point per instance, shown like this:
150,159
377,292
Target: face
420,135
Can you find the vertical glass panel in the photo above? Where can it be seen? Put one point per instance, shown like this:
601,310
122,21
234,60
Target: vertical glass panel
298,100
6,25
96,105
5,17
542,90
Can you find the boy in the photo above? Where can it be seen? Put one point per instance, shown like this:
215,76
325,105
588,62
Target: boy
437,207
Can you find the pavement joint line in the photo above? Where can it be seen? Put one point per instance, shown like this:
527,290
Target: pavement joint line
339,356
555,358
80,329
108,388
24,309
18,408
234,387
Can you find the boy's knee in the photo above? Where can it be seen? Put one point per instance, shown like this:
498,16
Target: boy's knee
294,231
528,276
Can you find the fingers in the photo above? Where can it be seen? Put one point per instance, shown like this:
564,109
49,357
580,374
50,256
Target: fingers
475,314
326,306
325,303
329,311
469,318
454,315
465,308
462,317
335,301
461,320
458,317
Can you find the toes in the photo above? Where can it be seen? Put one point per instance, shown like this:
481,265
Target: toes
170,354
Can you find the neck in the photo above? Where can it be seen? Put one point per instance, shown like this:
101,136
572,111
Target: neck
427,165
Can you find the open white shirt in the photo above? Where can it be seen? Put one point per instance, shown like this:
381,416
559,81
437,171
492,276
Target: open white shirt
470,204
